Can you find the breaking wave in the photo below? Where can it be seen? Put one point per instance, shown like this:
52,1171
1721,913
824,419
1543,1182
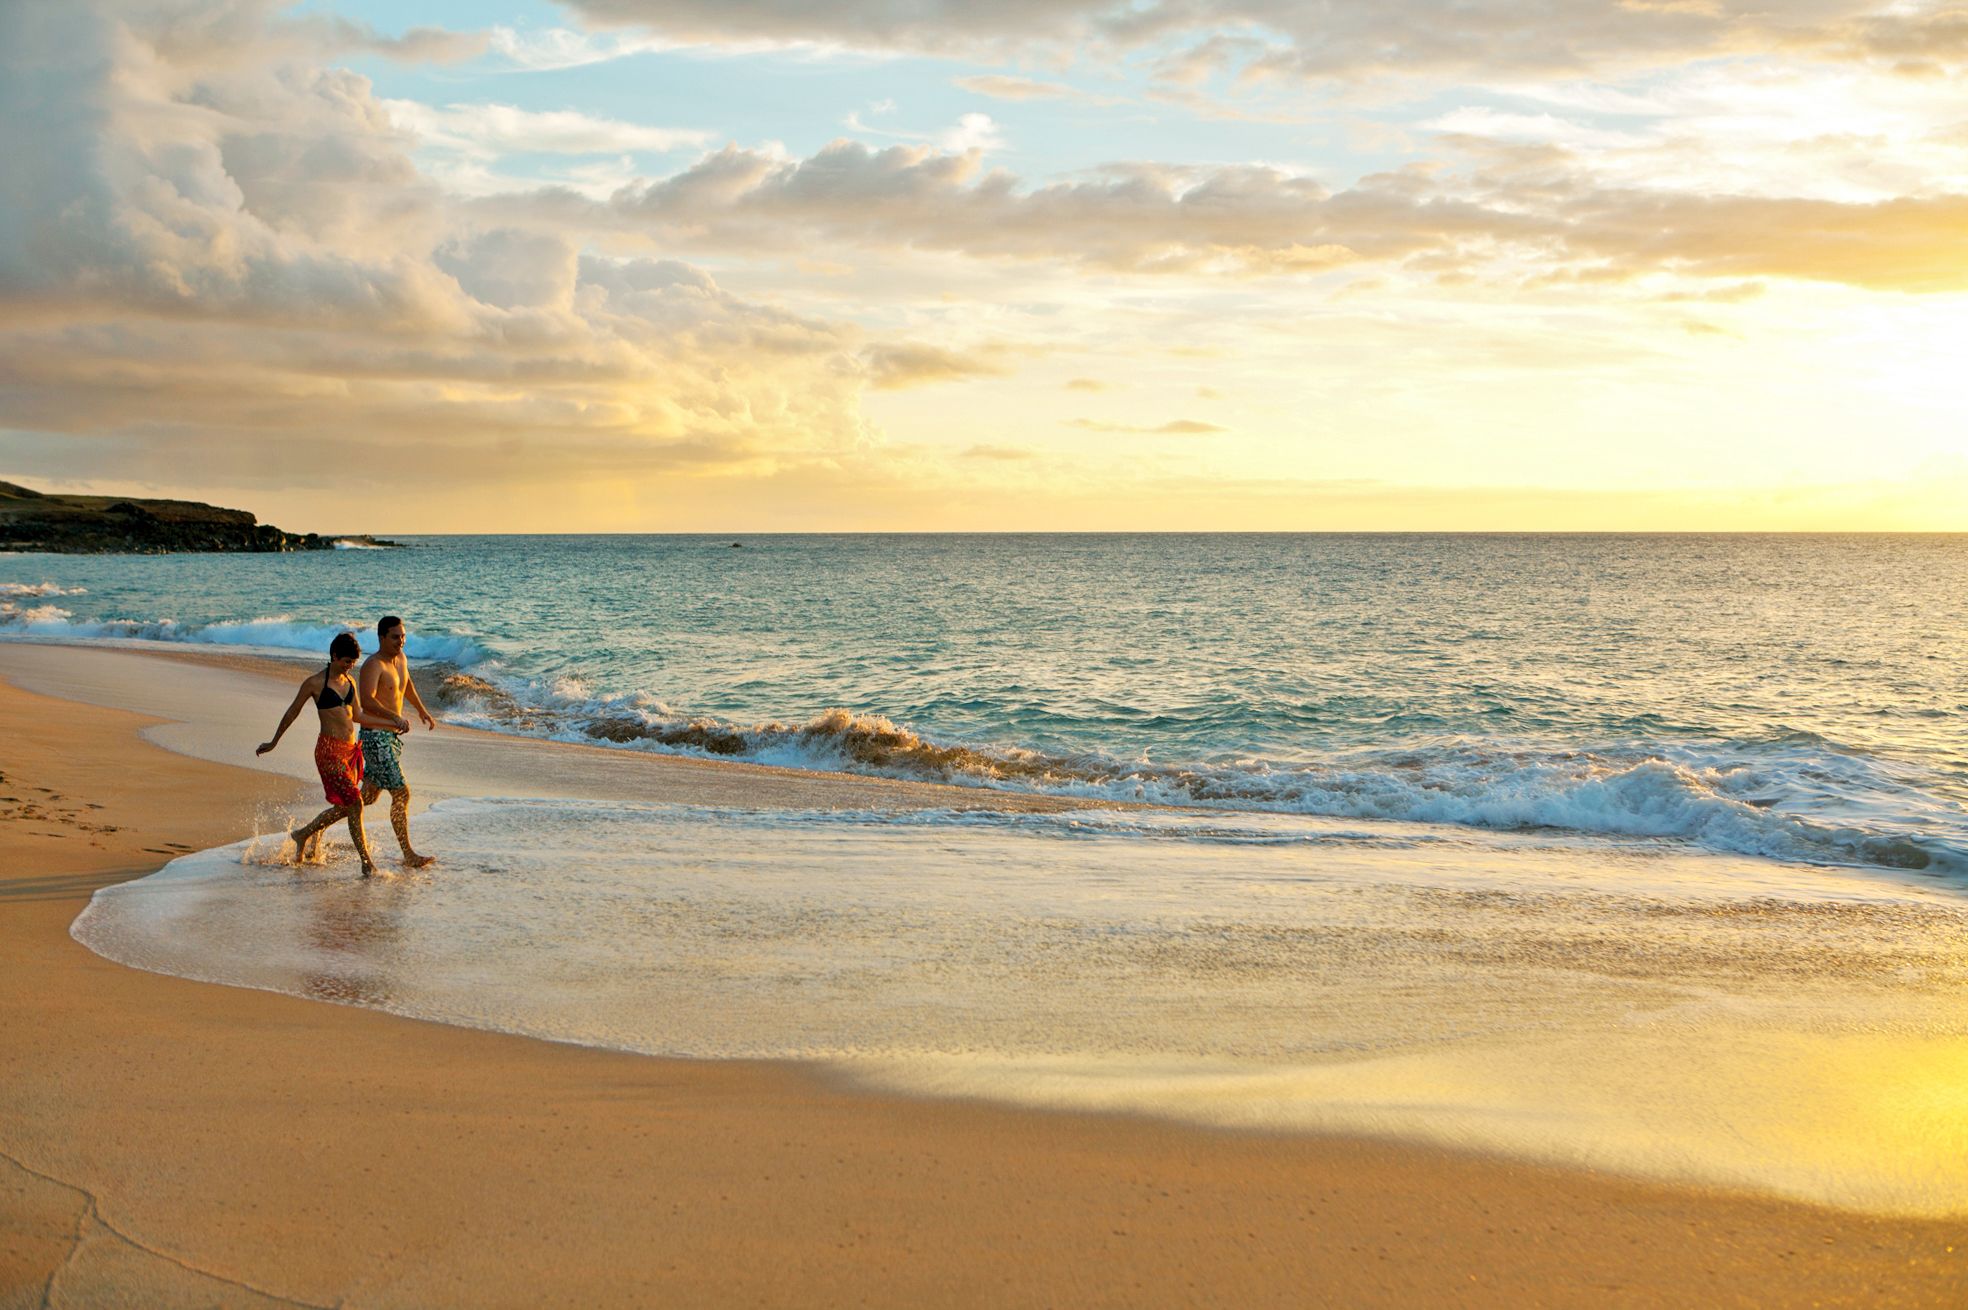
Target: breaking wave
38,589
1796,797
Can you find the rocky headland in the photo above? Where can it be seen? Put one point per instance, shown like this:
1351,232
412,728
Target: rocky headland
116,525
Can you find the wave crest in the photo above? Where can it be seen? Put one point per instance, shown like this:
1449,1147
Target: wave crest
1762,798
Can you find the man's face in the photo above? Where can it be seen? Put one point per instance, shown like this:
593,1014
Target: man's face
392,641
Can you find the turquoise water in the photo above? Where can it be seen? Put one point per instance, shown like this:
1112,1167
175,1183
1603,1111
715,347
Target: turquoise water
1801,698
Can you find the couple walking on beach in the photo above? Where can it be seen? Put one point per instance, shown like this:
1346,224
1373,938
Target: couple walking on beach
360,751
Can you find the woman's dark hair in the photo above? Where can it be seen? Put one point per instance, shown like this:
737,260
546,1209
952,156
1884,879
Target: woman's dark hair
344,647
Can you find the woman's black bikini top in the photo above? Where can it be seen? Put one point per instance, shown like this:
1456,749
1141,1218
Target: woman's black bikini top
329,698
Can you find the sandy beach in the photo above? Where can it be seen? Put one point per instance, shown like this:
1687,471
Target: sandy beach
174,1143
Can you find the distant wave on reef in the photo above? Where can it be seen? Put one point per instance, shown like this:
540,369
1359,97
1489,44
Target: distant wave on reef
278,632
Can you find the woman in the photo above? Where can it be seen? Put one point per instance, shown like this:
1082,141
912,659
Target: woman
337,752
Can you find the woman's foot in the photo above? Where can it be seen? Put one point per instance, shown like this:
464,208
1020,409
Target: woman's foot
368,869
412,860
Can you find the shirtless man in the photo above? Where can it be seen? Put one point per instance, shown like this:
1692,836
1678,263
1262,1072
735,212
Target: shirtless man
384,685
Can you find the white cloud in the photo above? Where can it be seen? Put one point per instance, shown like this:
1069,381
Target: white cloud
972,132
500,129
1003,87
560,47
467,146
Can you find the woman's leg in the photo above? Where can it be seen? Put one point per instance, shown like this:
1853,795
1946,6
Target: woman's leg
304,836
361,838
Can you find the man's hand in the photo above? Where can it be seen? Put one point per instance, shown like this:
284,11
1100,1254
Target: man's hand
402,724
425,715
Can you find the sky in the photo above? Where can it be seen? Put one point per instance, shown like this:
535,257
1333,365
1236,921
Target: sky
770,265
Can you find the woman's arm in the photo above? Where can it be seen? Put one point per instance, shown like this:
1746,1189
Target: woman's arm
301,697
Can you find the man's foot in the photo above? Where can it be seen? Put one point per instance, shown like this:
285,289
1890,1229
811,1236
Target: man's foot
412,860
368,869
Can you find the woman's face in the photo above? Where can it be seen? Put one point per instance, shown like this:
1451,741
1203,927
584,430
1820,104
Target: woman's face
343,663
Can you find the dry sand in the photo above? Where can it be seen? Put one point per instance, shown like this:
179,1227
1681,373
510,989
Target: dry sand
172,1143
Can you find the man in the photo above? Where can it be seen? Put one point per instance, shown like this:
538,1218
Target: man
384,685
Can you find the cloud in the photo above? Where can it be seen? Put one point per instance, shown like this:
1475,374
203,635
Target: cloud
1004,454
972,132
1086,384
498,129
1518,215
418,45
1003,87
555,48
1136,217
1182,427
894,367
465,144
215,254
1258,39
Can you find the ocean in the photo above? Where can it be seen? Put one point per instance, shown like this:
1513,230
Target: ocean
1637,853
1794,697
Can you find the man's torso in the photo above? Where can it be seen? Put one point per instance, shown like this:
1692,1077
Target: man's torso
390,675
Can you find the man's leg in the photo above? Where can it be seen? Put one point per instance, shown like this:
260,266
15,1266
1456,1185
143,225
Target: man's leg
400,820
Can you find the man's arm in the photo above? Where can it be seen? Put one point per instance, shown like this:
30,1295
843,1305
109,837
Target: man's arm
410,694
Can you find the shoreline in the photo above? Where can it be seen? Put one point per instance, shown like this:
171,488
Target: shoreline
224,1145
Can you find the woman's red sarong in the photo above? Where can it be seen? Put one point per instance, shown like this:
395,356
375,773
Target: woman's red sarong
340,766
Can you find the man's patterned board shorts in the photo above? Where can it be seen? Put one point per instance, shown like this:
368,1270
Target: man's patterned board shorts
382,759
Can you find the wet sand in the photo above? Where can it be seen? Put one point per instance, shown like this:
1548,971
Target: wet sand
174,1143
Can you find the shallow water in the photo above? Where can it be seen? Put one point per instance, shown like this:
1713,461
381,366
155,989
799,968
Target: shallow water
1630,1005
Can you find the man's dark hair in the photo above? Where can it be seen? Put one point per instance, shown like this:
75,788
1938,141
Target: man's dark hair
344,647
385,623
